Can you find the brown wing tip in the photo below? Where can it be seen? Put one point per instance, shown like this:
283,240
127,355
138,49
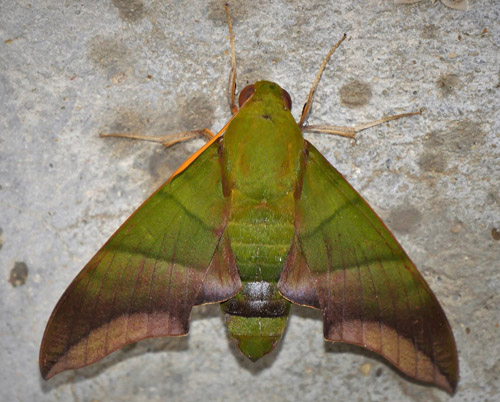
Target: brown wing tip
49,369
55,359
44,371
47,372
44,365
450,387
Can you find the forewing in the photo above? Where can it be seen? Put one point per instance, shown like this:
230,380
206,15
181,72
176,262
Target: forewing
347,263
171,254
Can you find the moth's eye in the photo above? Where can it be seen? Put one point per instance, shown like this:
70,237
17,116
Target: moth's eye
247,92
287,100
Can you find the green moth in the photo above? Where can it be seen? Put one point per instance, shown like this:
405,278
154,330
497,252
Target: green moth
255,220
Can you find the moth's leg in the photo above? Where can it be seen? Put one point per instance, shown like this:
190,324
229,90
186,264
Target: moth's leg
167,140
232,73
351,132
307,106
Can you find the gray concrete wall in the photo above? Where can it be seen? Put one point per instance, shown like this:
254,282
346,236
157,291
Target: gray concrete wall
70,70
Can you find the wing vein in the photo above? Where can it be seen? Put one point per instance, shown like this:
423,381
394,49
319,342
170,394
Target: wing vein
170,275
77,315
363,311
112,306
410,313
375,291
132,297
328,275
430,332
186,282
151,284
343,287
390,286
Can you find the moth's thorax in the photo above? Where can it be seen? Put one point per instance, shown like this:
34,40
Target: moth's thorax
263,146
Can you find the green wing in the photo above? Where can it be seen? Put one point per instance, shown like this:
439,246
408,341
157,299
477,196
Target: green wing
171,254
345,262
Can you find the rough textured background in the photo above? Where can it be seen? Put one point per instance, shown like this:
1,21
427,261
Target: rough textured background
70,70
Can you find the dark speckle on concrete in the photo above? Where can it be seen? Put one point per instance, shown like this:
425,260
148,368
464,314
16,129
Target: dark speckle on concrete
129,10
434,139
124,120
456,227
404,219
1,238
355,94
109,54
129,121
430,31
492,198
157,165
432,161
163,162
459,138
495,233
18,274
195,113
448,83
464,135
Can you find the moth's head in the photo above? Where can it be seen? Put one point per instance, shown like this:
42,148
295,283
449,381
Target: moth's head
265,90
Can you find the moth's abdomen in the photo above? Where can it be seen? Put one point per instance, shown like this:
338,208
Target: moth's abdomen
260,248
257,299
256,318
261,235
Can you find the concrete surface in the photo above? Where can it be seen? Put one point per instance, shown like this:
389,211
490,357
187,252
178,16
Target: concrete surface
70,70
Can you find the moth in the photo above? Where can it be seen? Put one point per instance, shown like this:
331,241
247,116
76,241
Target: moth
255,220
